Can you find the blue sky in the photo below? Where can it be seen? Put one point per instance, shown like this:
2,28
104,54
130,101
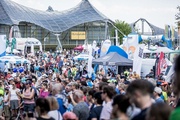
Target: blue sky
157,12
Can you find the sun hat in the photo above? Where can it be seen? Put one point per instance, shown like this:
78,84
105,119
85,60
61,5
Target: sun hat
158,90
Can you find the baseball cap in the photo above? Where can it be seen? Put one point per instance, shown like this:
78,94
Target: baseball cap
158,90
11,78
28,82
90,84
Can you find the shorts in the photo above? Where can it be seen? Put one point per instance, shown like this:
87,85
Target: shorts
6,111
1,111
14,104
29,107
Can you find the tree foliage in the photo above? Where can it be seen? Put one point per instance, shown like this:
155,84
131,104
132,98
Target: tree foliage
123,27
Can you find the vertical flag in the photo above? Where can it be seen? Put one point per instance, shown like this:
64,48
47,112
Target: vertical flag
2,45
137,61
11,33
130,44
166,31
159,63
173,31
105,47
169,32
90,70
162,64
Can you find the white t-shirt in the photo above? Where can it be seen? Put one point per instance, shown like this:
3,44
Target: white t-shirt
55,114
14,95
106,111
6,98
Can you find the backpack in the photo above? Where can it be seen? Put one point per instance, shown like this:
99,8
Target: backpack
62,108
35,93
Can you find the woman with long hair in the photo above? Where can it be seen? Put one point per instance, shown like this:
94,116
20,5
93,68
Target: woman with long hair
42,108
54,106
28,97
44,91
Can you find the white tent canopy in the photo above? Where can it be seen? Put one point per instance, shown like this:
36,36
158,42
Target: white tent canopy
81,57
13,59
8,50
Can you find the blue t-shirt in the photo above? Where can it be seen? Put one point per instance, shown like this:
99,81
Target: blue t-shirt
1,101
159,100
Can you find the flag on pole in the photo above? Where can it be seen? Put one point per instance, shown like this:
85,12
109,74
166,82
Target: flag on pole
173,31
162,64
11,33
105,47
90,70
137,61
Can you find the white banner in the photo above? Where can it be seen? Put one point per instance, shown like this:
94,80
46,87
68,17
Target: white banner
3,45
94,44
105,47
90,70
137,61
130,44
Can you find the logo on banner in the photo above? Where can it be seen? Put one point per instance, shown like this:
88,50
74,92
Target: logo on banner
140,53
132,49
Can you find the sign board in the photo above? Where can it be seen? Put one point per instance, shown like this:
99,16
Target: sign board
78,35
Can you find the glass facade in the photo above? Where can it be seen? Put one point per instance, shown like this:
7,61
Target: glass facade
94,31
29,22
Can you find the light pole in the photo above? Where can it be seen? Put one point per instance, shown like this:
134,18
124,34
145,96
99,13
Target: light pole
44,43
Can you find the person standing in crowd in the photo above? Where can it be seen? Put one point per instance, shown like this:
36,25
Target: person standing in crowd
122,88
44,91
120,106
14,98
1,103
135,75
57,91
175,115
6,103
54,113
159,111
81,108
43,108
107,95
28,98
2,87
157,93
69,116
5,69
90,99
140,92
96,111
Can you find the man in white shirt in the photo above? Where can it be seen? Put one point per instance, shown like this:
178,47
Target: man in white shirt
5,69
14,98
107,95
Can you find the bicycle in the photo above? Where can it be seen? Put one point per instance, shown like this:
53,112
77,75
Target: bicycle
20,115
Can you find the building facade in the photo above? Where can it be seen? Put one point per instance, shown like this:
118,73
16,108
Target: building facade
82,24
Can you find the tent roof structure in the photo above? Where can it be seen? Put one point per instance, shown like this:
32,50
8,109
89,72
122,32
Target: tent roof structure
112,59
12,13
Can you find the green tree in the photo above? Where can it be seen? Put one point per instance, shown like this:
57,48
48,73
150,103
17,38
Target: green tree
123,27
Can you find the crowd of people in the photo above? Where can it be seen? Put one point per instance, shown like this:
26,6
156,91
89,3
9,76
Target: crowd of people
55,87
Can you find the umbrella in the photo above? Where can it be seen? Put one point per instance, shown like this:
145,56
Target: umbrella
81,57
13,59
79,48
